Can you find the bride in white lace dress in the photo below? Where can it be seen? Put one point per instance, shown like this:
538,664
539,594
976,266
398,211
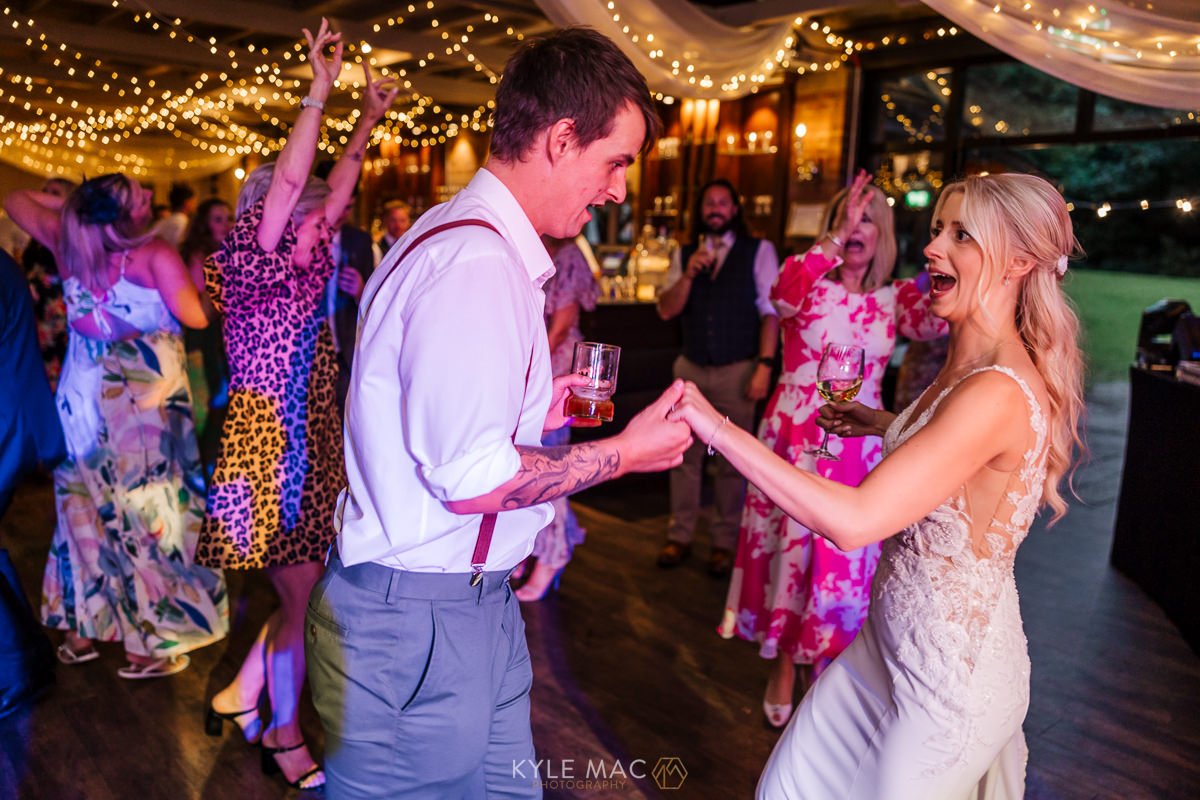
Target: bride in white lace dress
928,701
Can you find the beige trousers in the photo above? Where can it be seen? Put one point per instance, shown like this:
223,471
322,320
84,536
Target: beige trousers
725,388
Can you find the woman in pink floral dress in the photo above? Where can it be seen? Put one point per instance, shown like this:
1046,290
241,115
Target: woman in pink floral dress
798,596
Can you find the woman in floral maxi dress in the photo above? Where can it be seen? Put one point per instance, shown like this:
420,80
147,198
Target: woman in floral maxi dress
130,495
798,596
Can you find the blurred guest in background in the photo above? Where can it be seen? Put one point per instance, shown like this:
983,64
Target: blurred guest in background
207,367
353,262
922,362
397,218
30,437
720,283
131,493
172,227
41,270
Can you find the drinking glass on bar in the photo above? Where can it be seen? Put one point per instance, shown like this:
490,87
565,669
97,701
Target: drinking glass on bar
589,404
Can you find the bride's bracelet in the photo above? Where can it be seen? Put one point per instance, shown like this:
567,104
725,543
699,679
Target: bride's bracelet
713,438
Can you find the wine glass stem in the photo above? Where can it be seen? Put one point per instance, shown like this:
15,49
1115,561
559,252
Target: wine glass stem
825,441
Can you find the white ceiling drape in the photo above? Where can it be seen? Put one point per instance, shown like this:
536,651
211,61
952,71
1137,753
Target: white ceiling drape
685,34
1089,43
1096,49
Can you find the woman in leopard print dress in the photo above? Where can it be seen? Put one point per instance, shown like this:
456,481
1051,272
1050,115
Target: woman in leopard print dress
272,496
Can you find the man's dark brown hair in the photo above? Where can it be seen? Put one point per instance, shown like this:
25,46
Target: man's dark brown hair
575,73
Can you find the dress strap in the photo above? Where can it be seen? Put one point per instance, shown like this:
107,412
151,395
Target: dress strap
124,258
904,429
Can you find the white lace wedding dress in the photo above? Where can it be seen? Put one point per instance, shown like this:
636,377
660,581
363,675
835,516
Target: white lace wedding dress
927,702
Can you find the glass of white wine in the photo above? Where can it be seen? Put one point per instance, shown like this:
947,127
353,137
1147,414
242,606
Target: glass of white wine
839,378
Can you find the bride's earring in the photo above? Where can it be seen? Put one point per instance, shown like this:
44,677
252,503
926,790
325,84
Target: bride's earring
1006,280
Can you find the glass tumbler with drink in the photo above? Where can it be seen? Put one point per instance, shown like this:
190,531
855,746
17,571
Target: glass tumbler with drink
590,404
839,379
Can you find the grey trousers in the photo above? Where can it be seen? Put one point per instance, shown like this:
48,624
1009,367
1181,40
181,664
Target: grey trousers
725,388
422,685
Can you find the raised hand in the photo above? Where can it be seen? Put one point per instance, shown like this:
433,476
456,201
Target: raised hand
378,95
851,212
325,70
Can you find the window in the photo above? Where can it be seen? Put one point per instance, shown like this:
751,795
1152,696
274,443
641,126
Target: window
911,108
1011,99
1129,170
1106,183
1116,115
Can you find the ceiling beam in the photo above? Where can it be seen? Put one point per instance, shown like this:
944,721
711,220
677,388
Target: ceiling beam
281,21
134,48
450,91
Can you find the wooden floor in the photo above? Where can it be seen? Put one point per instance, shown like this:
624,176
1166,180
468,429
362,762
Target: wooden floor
629,671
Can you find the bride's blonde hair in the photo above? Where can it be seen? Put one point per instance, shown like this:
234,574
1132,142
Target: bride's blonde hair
1014,216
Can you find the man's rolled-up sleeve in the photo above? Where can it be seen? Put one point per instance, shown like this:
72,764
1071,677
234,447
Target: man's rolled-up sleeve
462,368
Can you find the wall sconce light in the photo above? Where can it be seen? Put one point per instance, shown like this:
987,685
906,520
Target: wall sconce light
755,142
806,168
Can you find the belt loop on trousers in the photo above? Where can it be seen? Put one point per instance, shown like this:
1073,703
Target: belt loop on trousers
392,594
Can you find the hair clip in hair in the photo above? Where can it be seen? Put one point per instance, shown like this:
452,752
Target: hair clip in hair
1061,266
98,206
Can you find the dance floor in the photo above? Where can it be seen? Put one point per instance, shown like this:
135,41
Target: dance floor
630,674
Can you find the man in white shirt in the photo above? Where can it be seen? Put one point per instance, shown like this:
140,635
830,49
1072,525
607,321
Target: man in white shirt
416,649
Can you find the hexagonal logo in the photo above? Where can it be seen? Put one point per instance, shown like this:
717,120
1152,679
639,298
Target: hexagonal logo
669,773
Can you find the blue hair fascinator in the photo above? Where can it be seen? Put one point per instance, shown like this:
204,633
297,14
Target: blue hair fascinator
97,205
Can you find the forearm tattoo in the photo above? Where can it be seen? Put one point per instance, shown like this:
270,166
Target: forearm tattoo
550,472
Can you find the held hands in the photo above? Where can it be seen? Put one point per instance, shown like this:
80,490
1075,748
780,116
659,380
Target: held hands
849,419
378,95
851,212
655,439
694,409
325,71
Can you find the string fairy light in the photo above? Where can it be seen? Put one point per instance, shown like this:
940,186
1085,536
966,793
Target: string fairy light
1104,208
68,133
